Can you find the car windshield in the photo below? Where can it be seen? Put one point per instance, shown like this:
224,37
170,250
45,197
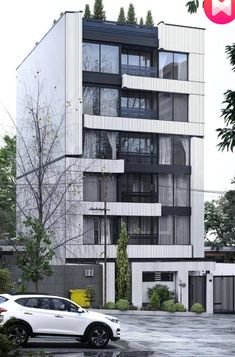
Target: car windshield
2,299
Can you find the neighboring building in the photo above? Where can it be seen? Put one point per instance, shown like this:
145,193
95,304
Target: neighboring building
134,130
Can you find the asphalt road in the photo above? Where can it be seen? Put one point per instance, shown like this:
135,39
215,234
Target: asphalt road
143,336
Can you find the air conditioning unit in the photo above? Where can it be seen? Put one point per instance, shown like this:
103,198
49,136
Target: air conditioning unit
89,272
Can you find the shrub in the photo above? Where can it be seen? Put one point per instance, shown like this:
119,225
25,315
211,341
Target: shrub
5,281
163,292
198,308
168,305
122,304
110,305
179,307
154,300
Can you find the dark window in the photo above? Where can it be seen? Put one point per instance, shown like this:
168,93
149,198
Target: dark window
93,230
173,65
91,100
138,148
100,58
151,276
45,303
138,188
138,104
173,107
141,230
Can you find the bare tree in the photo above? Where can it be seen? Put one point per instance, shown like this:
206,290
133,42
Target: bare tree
48,183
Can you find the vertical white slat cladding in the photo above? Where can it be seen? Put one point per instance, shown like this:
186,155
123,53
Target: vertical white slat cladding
196,109
147,125
180,38
74,83
196,67
162,85
197,197
136,251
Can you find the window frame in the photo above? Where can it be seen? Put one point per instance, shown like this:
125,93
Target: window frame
173,74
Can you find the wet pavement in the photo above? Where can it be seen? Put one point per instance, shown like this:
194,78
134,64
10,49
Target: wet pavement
164,335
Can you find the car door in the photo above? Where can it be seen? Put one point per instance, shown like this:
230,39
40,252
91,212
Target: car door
67,319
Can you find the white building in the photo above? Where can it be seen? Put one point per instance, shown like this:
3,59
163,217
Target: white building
133,128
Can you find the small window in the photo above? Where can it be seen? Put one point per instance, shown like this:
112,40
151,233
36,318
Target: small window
151,276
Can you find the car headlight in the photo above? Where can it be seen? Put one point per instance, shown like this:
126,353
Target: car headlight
112,319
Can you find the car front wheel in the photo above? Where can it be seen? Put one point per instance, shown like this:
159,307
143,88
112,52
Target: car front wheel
18,334
98,336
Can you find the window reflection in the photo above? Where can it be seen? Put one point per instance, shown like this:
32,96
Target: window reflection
173,65
100,101
100,58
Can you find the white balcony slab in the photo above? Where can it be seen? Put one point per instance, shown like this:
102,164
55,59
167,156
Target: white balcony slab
120,209
143,125
162,85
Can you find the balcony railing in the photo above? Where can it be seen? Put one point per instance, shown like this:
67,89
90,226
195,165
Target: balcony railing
138,113
138,158
142,239
141,197
139,71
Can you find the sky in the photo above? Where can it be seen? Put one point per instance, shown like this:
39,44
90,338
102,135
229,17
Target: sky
25,22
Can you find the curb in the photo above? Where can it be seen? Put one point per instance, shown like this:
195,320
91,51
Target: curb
150,313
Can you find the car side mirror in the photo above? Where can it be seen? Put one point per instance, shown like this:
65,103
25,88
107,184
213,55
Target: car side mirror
80,310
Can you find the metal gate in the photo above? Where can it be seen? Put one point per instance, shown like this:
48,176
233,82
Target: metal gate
224,294
197,290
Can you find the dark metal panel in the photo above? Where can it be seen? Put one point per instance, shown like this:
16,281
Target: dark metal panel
197,290
112,37
164,169
102,78
224,294
176,211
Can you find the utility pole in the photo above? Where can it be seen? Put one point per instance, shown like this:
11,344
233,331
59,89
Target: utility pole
105,209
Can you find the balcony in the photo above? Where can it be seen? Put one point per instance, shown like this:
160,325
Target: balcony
139,197
139,71
140,113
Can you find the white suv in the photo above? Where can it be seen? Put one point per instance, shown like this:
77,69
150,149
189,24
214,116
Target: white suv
30,315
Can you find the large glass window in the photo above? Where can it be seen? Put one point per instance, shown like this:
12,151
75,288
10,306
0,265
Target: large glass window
174,190
173,150
182,230
138,148
142,230
99,188
109,60
138,104
138,188
173,107
165,182
181,190
173,65
93,230
166,234
100,144
138,62
100,58
90,57
100,101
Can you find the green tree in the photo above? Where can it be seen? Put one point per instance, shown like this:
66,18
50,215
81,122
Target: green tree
121,17
149,19
220,221
131,19
7,186
87,12
141,21
35,260
99,13
123,273
192,6
5,281
227,134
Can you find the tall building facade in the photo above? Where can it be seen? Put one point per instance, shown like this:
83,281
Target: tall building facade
132,136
